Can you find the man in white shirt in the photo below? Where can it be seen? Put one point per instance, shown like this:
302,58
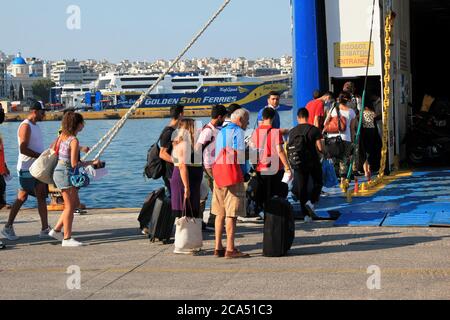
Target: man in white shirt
206,142
31,145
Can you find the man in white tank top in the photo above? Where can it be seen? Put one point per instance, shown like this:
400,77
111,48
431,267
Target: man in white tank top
31,145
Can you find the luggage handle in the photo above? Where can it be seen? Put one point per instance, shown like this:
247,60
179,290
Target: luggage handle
184,214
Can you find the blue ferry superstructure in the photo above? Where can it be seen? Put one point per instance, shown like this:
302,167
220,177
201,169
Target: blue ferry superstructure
193,90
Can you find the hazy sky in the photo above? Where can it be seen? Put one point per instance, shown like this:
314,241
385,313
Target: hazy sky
145,29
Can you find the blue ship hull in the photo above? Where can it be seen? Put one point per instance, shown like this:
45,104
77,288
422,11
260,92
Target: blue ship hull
252,96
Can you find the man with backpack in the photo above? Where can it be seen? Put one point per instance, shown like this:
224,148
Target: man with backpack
159,159
207,138
303,154
165,154
206,141
272,161
229,200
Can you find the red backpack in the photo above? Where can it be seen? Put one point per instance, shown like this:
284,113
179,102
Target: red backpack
227,170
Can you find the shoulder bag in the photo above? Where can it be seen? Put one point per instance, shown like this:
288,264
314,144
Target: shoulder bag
43,167
336,124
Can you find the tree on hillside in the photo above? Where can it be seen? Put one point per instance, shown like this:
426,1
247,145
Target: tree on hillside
12,93
21,92
41,89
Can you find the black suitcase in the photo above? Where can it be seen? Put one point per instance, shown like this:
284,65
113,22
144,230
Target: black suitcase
279,228
162,220
145,216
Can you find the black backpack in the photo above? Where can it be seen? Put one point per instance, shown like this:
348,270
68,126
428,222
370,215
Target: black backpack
298,152
155,167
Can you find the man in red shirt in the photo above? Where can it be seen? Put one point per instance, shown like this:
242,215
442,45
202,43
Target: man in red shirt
272,161
316,110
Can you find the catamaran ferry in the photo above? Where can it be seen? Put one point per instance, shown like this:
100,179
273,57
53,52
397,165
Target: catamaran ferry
193,90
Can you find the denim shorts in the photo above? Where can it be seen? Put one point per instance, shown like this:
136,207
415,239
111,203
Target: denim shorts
27,182
61,176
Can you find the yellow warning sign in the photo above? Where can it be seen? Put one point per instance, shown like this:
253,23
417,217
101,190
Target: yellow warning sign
353,54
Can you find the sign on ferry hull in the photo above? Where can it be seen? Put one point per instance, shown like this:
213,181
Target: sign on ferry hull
252,96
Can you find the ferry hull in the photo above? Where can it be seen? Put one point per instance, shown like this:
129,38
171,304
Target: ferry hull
249,95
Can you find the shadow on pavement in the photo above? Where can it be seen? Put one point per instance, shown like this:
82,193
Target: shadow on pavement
373,244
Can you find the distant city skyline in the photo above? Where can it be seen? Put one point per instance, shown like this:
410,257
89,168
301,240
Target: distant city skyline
251,29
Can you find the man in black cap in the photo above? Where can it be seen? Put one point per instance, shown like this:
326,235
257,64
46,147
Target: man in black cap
31,145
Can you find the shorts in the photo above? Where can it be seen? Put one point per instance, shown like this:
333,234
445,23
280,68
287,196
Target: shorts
27,182
61,176
229,202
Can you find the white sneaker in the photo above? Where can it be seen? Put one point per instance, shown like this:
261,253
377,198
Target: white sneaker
80,212
308,219
56,235
72,243
10,234
44,234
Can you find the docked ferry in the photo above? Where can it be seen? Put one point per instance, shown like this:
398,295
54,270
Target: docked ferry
193,90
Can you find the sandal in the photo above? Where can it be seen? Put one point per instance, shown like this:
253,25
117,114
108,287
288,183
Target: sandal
236,254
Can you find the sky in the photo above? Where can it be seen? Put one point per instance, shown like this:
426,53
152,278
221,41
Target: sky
145,30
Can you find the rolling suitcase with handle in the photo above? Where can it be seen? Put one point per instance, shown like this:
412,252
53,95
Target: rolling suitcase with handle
145,216
279,227
162,221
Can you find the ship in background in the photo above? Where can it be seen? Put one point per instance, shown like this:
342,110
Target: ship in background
193,90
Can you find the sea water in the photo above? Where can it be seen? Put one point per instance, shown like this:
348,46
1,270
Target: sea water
125,185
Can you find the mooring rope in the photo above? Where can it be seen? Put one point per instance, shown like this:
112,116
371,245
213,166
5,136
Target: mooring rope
112,133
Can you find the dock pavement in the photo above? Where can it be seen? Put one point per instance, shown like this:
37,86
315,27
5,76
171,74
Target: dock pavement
325,262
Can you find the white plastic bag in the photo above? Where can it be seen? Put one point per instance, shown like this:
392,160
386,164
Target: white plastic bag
188,235
96,174
287,178
43,167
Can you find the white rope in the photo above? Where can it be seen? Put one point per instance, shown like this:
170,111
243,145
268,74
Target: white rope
116,128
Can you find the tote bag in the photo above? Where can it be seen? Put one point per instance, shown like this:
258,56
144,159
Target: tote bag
43,167
188,234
